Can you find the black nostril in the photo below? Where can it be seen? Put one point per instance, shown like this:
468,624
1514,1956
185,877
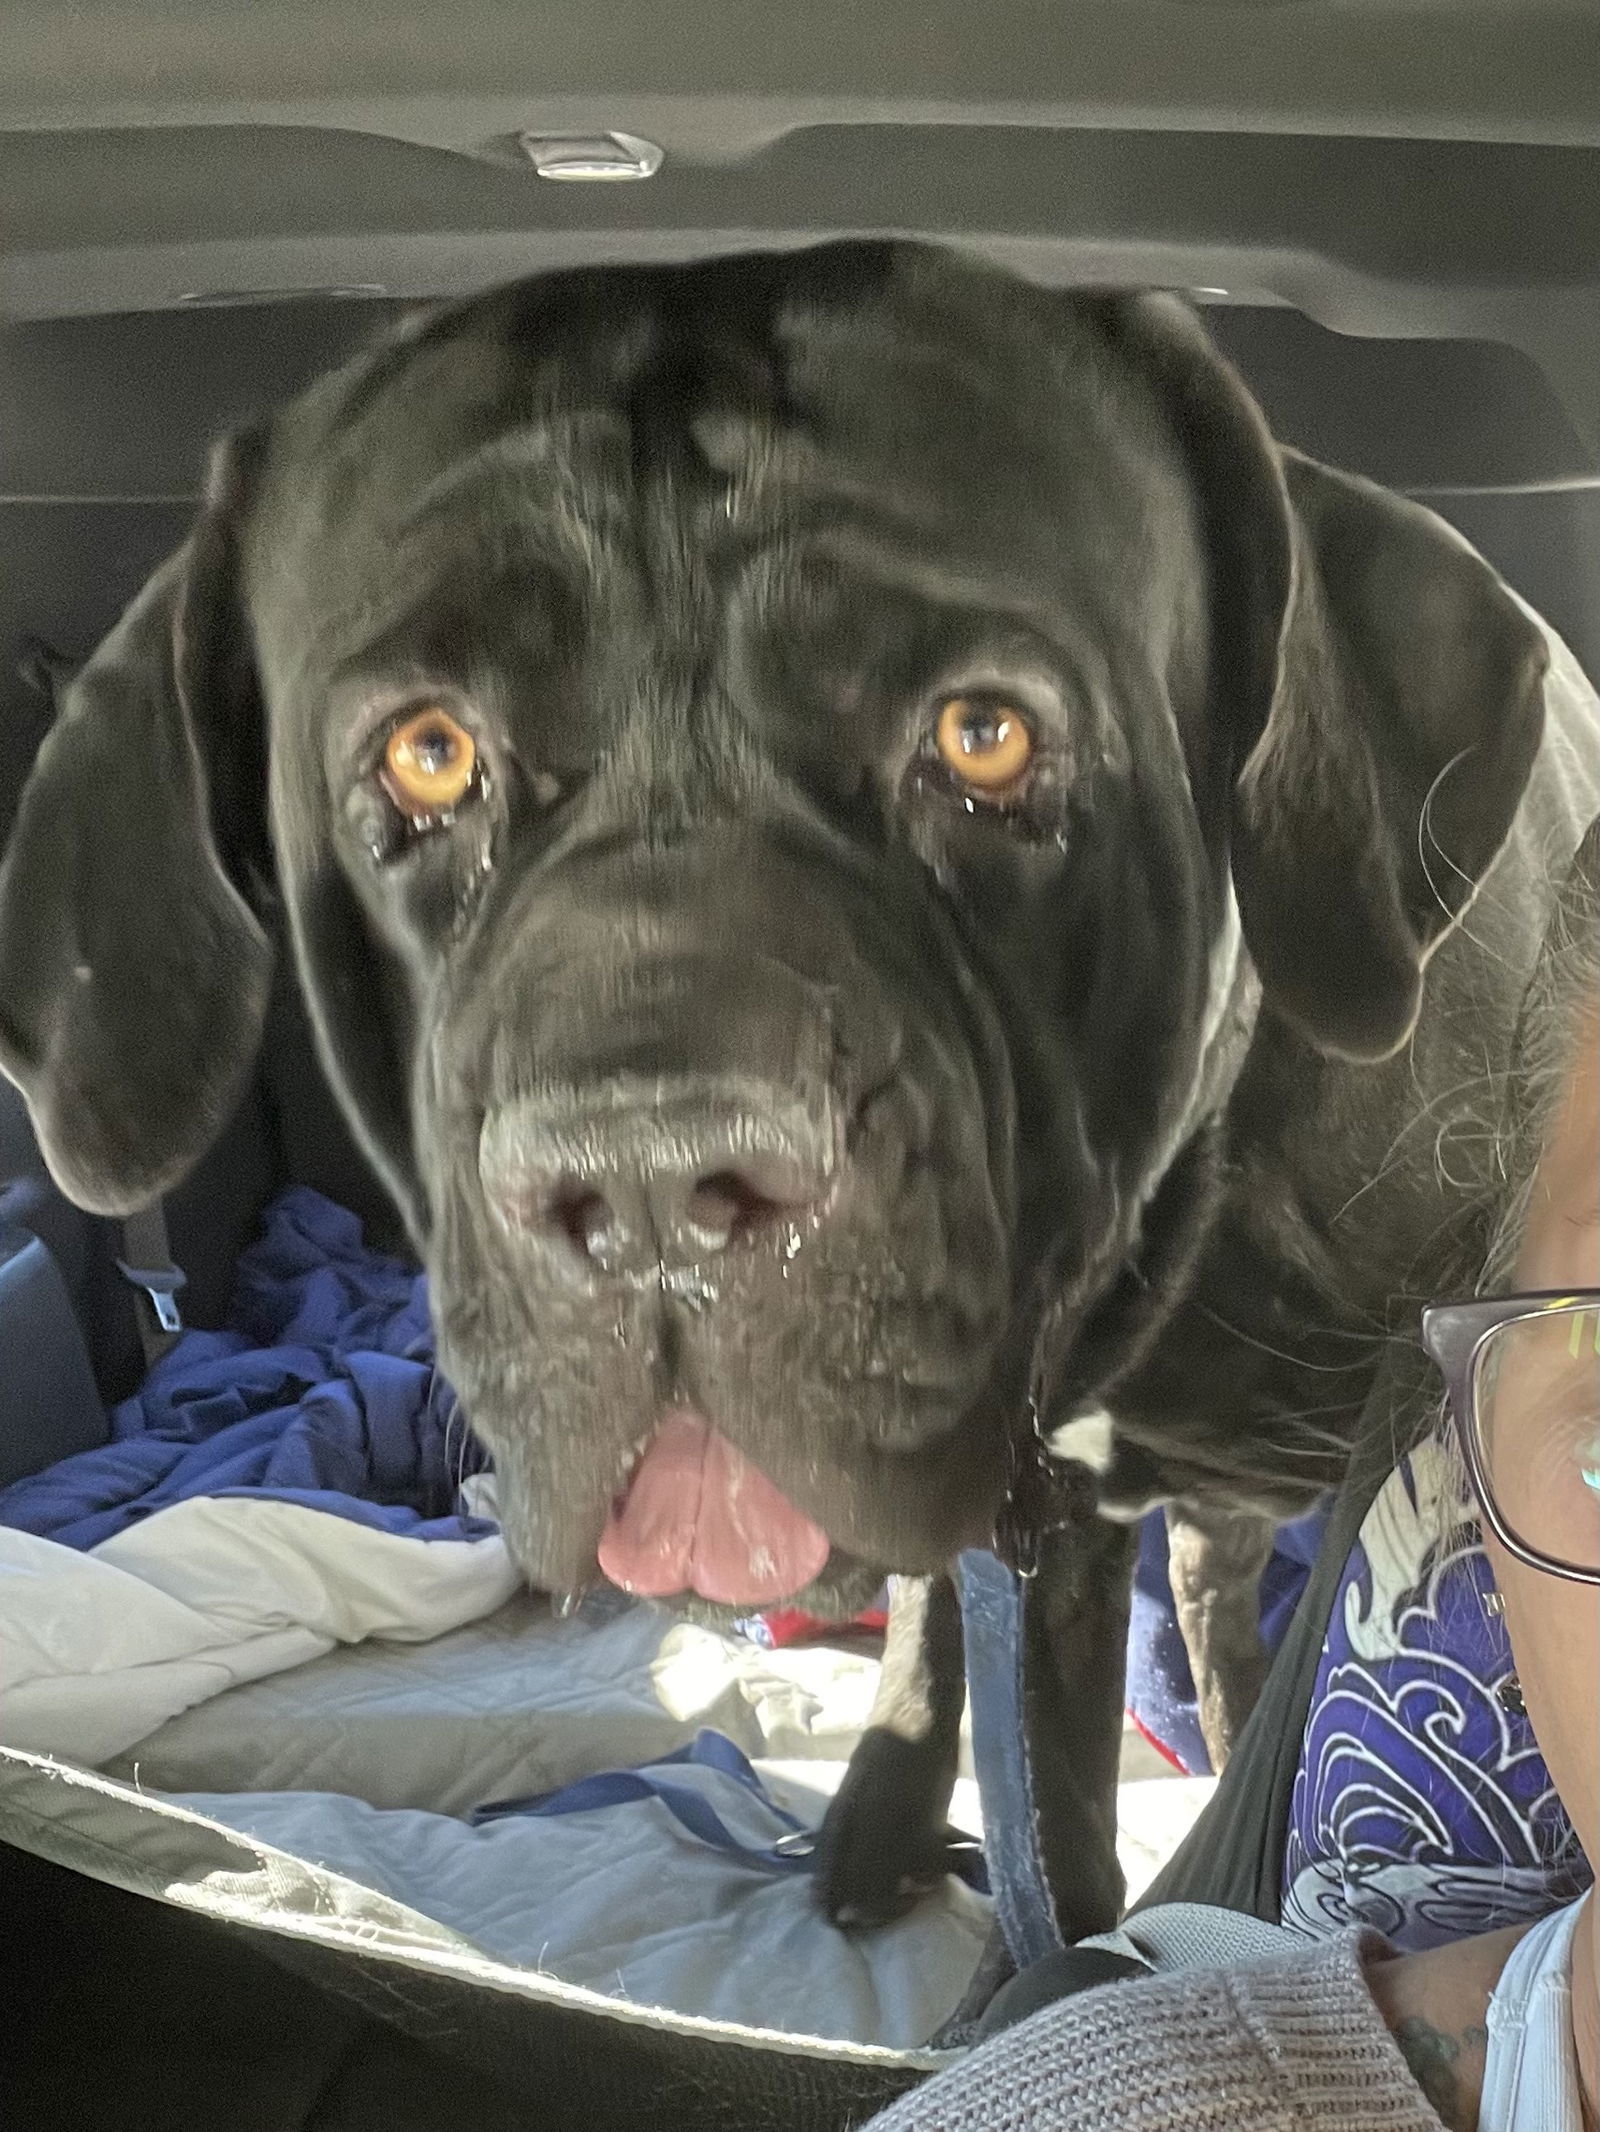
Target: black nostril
584,1217
726,1207
569,1208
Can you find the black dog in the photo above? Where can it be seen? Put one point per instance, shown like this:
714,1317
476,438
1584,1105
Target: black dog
850,828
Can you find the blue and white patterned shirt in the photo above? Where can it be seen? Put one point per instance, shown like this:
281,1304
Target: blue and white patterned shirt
1422,1806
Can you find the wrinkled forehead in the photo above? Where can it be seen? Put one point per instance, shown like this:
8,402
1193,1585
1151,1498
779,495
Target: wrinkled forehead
973,431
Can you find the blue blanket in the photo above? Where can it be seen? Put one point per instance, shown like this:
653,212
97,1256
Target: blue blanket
321,1390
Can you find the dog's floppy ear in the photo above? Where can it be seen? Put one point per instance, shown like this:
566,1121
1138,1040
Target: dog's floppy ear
133,972
1380,691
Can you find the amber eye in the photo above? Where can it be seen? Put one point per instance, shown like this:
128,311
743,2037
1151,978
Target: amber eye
429,763
984,743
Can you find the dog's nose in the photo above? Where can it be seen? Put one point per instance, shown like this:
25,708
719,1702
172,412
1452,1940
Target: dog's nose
633,1187
668,1218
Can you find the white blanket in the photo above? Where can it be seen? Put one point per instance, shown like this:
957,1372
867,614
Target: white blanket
348,1696
98,1649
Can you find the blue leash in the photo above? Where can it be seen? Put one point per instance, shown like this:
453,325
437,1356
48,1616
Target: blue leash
993,1599
793,1852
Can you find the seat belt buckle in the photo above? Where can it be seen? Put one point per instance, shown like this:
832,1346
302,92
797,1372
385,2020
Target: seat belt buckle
159,1285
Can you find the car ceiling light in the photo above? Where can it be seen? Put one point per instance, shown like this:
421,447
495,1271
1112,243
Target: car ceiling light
590,158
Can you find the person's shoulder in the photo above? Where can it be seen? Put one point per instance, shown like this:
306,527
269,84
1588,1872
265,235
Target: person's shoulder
1270,2046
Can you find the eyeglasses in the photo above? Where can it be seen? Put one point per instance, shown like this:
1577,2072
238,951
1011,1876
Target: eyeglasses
1523,1374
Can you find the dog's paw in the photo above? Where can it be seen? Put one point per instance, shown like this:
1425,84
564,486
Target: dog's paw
884,1844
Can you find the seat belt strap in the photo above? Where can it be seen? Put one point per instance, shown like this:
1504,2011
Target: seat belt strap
147,1264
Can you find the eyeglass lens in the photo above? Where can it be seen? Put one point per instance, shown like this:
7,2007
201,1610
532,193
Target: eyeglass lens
1536,1395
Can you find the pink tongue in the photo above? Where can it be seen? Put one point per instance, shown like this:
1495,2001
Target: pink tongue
698,1516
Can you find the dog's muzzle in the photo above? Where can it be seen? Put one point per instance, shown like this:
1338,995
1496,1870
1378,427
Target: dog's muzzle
649,1184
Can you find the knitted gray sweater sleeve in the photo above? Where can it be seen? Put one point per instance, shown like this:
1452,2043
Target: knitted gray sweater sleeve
1271,2046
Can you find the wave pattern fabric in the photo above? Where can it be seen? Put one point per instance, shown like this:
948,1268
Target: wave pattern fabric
1422,1805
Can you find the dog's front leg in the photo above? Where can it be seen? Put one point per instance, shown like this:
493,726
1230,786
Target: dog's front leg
1215,1558
884,1841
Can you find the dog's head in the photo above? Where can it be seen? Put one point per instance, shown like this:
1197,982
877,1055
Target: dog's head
765,765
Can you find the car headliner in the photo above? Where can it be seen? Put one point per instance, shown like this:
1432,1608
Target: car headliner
1424,169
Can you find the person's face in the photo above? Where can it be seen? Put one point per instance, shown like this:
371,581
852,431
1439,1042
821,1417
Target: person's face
1554,1624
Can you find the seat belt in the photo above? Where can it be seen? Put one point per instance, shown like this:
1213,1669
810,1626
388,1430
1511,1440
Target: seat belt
147,1264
